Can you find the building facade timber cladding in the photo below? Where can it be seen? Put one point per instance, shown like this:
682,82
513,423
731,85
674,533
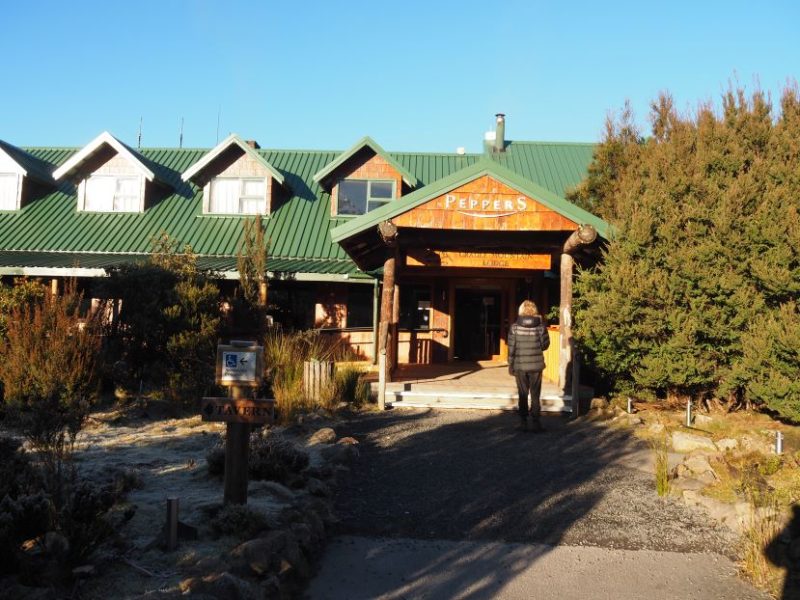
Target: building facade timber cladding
50,237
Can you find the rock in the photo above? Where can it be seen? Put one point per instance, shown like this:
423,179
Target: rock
634,420
208,564
339,453
56,544
296,559
22,592
727,444
598,404
316,488
223,586
326,435
687,442
263,553
348,440
754,444
281,492
697,463
656,428
83,572
684,484
702,420
271,587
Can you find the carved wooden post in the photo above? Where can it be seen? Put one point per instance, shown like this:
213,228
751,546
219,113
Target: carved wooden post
394,338
388,232
237,452
584,235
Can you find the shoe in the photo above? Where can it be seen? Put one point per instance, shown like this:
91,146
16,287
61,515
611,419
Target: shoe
523,425
536,426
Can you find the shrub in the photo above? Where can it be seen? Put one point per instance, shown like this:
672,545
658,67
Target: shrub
48,366
168,324
272,458
662,466
239,521
350,387
706,245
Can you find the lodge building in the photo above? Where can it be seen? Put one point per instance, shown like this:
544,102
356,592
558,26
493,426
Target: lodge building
438,247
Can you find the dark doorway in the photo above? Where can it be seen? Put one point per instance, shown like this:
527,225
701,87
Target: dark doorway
477,324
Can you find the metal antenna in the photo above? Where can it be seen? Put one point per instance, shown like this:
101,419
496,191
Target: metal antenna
219,114
139,141
180,137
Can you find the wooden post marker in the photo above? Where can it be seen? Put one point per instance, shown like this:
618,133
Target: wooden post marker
240,366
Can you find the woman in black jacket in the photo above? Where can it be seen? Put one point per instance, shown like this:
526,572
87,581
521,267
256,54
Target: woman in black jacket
527,341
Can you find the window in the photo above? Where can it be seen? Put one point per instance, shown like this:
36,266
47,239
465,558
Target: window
415,306
107,193
9,183
234,196
358,196
359,305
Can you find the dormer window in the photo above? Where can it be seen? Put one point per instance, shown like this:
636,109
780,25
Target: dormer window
9,191
108,193
238,196
359,196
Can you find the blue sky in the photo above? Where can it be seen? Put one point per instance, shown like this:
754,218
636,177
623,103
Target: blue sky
415,75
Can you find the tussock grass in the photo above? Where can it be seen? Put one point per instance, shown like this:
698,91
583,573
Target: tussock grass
761,559
662,466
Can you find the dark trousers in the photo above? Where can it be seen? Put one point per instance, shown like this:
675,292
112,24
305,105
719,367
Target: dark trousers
529,382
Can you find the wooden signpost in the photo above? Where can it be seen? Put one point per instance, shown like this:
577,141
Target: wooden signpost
240,366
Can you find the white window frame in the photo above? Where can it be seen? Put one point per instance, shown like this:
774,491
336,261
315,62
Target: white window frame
116,199
242,198
17,190
380,201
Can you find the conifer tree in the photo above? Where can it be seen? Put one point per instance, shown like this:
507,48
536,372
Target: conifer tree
704,260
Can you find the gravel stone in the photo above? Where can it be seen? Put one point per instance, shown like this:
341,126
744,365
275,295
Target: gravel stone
469,475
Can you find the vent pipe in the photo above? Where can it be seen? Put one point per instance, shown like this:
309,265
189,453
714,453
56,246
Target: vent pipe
253,144
500,133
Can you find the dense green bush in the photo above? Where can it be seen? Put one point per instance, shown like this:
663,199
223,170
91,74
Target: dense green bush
705,256
168,325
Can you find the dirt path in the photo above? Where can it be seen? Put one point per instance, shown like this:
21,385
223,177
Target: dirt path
468,476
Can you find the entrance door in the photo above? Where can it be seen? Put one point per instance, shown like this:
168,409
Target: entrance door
477,324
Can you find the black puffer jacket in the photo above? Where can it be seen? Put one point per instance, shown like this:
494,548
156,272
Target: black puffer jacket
527,341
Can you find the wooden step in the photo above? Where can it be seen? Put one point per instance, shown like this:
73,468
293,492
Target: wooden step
470,400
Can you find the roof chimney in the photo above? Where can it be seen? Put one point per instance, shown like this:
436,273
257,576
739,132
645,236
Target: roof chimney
500,133
253,144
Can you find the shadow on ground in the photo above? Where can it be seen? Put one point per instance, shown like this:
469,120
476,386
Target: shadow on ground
470,476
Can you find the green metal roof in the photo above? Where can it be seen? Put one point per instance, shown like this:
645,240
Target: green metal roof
366,142
34,167
298,227
482,167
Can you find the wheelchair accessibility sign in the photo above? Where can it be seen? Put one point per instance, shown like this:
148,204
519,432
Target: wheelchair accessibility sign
238,365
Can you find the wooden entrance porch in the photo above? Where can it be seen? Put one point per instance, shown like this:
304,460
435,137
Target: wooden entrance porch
466,384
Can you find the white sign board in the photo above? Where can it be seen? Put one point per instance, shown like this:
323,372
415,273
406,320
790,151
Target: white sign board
239,366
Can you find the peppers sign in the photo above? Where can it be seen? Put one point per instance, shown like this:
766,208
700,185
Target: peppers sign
240,365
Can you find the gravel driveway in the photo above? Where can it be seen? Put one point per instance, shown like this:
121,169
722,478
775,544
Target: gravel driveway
469,476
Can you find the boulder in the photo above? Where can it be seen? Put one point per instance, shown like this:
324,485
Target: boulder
326,435
223,586
698,463
262,554
348,440
755,444
727,444
316,488
633,420
703,420
339,453
688,442
598,404
279,491
656,428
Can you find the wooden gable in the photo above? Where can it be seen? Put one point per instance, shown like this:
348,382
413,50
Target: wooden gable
485,204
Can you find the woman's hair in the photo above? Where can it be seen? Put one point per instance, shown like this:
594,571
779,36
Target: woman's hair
528,309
